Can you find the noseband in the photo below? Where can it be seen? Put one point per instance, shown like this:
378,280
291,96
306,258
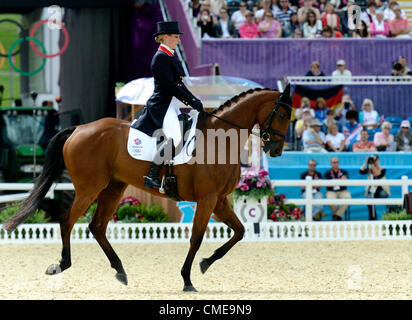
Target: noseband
265,133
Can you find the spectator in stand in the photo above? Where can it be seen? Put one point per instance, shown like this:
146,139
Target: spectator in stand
290,28
303,123
239,16
283,15
329,121
399,26
400,70
379,29
404,62
368,117
369,15
224,27
314,70
339,5
266,6
364,145
216,5
341,71
384,140
328,32
205,22
389,14
312,27
345,105
361,32
305,10
317,211
335,141
345,19
249,29
375,171
269,27
321,109
321,5
404,137
294,4
304,104
352,129
195,5
313,139
337,192
330,18
297,34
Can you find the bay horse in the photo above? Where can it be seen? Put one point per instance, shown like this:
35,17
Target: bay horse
96,158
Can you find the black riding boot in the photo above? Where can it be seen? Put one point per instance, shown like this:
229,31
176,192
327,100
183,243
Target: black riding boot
152,179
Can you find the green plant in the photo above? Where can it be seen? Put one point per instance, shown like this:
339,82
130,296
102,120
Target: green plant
37,217
397,215
128,213
88,216
152,213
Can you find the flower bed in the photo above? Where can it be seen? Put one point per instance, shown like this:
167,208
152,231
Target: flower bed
130,210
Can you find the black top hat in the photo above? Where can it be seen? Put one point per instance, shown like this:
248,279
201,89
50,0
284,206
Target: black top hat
167,27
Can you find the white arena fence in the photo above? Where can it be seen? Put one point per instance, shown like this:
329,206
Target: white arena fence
219,232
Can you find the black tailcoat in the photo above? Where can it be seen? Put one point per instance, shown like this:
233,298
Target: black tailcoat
168,75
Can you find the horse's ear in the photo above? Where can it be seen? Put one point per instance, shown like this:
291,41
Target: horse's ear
285,95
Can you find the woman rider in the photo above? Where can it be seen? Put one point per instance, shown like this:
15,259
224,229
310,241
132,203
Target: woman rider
168,75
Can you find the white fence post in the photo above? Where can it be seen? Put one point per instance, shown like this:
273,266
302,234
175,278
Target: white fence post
309,198
405,188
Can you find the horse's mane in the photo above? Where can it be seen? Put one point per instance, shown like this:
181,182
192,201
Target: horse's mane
236,98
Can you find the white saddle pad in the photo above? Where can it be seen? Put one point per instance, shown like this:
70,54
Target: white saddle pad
143,147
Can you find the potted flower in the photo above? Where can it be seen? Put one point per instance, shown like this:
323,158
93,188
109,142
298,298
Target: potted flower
251,194
281,211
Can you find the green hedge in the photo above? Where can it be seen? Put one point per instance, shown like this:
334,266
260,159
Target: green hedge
126,212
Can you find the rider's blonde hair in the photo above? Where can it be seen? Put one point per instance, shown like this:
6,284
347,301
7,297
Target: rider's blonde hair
159,38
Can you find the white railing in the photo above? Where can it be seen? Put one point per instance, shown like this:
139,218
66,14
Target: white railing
309,183
354,80
217,232
28,187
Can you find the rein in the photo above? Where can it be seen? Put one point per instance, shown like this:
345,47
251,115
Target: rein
269,117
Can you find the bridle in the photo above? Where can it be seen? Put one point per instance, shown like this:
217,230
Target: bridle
265,134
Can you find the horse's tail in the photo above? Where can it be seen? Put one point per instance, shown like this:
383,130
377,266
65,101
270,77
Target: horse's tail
52,169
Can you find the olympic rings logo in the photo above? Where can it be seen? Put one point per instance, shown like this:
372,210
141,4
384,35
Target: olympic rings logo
33,41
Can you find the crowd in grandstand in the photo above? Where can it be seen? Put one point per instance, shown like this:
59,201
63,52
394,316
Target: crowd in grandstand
344,128
299,19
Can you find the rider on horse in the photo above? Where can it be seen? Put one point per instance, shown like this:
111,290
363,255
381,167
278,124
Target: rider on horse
168,75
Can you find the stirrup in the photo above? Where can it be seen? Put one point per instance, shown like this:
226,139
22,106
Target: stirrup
162,186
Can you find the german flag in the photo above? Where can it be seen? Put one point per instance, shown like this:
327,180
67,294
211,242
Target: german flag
332,96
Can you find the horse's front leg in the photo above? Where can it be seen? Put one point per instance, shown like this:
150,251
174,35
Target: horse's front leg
202,215
224,213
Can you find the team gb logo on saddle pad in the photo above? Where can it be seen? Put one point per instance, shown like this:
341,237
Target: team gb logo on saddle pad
137,141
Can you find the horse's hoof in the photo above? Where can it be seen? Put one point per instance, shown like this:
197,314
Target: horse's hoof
189,289
204,265
122,277
53,269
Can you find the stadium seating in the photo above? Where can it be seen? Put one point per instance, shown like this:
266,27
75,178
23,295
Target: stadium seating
394,120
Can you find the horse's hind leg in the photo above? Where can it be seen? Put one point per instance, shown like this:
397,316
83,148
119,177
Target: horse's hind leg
107,203
79,207
225,213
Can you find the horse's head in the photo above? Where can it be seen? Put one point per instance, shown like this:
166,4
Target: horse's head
275,124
